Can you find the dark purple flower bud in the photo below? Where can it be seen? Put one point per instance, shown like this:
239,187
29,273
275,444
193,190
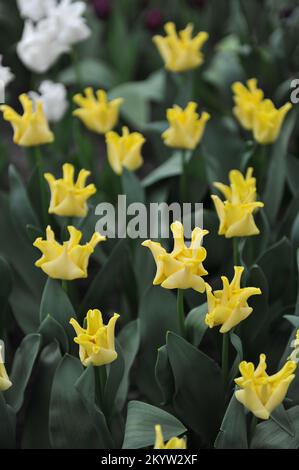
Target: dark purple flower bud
102,8
154,19
198,3
285,13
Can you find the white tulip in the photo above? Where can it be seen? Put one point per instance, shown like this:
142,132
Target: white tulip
5,74
54,99
39,47
35,10
67,18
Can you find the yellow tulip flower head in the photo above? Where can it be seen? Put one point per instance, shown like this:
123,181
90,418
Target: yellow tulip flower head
186,127
68,261
96,112
246,102
268,121
181,52
262,393
32,127
173,443
228,307
96,341
182,268
257,114
68,198
236,212
124,151
5,383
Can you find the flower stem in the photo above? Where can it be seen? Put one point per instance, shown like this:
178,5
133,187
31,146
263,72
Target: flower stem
39,165
180,311
225,351
236,251
100,385
183,182
76,66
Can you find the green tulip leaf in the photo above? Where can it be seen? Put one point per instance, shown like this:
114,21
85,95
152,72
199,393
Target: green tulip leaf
24,361
140,425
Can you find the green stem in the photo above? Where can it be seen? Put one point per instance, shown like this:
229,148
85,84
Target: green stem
76,66
183,182
180,311
236,251
225,357
100,385
262,165
39,164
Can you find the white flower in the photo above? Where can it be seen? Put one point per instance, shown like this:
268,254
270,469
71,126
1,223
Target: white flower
35,10
54,99
67,18
39,47
5,73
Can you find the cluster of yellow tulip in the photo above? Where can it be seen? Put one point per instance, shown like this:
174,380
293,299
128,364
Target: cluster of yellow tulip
182,268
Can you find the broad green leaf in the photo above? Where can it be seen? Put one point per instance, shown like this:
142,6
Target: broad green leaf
56,303
157,315
51,330
114,380
195,324
85,386
37,413
129,340
106,278
20,207
275,263
24,361
70,424
132,187
164,375
198,387
233,430
293,173
93,72
269,435
172,167
140,425
277,171
8,425
237,345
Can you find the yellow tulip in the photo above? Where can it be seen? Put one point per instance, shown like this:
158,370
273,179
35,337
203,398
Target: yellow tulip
181,52
173,443
5,383
68,261
67,197
124,151
228,307
96,112
268,121
246,102
32,127
182,268
256,114
96,341
262,393
186,127
236,212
